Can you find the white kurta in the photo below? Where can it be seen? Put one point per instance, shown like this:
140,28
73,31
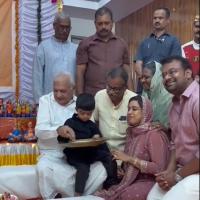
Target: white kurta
52,57
112,119
55,175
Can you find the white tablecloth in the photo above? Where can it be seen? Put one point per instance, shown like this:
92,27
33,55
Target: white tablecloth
21,181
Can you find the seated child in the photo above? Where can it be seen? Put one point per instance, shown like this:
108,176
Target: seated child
81,158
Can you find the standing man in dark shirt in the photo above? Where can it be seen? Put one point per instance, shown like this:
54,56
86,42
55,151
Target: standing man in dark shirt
160,44
99,53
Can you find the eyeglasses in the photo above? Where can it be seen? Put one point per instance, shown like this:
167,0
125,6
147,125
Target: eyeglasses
115,90
63,28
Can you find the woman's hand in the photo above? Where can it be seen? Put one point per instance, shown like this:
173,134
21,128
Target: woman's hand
119,155
66,132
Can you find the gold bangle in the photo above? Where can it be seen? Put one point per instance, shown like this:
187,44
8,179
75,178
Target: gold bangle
143,165
135,161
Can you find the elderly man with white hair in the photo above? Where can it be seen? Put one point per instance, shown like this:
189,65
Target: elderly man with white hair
53,56
56,176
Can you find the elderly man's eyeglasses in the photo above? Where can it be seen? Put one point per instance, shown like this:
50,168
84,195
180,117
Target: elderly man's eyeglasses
63,28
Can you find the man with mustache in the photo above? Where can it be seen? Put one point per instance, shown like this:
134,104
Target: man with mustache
99,53
159,45
111,106
190,50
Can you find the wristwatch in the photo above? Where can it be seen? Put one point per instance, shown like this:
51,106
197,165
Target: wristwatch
178,177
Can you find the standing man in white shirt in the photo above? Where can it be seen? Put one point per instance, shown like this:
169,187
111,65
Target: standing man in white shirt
55,175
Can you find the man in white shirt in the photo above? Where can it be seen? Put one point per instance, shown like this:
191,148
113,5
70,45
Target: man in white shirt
111,108
55,175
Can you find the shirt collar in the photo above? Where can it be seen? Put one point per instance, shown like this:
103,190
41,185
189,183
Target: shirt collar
112,36
195,45
188,91
69,103
120,103
59,41
153,35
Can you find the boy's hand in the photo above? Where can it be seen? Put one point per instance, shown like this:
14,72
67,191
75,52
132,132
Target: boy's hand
96,136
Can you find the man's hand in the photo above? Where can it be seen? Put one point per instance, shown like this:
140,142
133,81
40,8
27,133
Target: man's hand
166,179
66,132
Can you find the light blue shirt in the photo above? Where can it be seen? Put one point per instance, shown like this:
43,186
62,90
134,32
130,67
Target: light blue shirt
52,57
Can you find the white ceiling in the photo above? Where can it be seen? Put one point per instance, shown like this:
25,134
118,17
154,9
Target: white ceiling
85,9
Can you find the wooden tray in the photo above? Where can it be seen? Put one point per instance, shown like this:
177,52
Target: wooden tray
84,143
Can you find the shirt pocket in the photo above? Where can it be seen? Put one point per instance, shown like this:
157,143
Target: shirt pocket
122,126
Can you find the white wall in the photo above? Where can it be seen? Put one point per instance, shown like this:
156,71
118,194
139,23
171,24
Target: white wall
83,27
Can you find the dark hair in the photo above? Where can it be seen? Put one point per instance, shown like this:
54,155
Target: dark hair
185,64
118,72
137,98
167,11
85,101
151,66
103,11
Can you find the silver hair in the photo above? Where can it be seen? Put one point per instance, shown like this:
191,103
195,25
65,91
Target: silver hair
61,16
65,75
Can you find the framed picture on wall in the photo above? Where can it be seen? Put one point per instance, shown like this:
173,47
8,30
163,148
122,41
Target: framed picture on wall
76,39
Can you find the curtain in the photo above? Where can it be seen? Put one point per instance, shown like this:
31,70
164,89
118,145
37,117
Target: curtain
27,43
28,39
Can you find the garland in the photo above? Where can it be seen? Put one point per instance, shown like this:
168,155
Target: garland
17,54
39,33
59,4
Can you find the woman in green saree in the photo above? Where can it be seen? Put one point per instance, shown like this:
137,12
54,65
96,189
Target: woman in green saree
154,90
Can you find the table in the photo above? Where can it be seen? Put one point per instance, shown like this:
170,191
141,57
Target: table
20,180
18,153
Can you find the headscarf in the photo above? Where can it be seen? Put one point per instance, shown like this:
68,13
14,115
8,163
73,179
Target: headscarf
159,96
133,135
